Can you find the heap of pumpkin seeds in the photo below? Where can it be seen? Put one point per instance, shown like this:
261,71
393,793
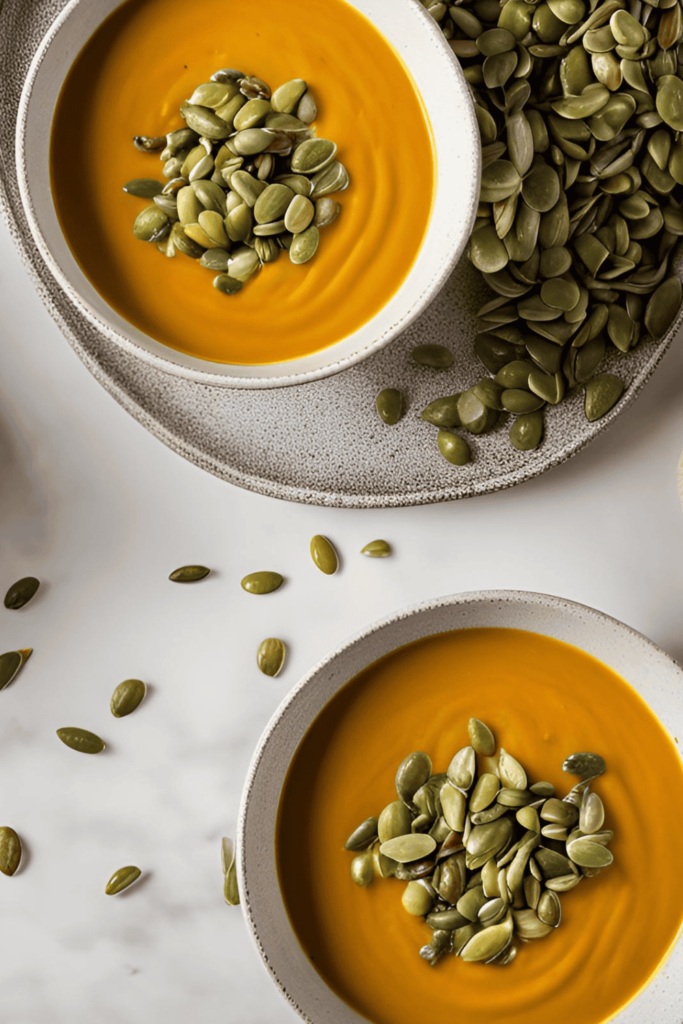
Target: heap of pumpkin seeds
246,178
484,853
580,109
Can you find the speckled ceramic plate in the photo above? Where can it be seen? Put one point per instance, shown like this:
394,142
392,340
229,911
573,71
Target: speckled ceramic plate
656,677
320,443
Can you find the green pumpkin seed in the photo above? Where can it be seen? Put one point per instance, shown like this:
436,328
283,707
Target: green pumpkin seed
443,412
499,180
151,225
454,449
407,848
121,879
395,820
438,357
189,574
10,664
146,188
148,143
333,178
389,403
484,792
184,243
663,307
326,211
226,284
325,557
412,773
216,260
304,245
362,836
602,394
81,739
262,582
482,739
252,141
21,592
511,773
286,97
592,814
313,155
243,264
526,433
205,122
270,656
377,549
588,854
10,850
230,888
127,696
519,402
299,214
272,203
418,898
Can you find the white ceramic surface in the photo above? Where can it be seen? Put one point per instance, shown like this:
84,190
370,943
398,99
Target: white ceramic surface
439,79
655,675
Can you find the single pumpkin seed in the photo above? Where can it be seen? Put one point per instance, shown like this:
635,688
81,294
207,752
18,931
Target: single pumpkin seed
228,286
526,433
189,574
324,556
389,405
333,178
10,664
20,593
10,850
407,848
418,898
454,449
588,854
262,582
151,224
304,245
363,836
437,357
377,549
602,394
121,879
127,697
411,774
81,739
145,188
270,656
231,892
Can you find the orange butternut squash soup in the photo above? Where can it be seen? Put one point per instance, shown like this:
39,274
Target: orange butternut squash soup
543,700
130,79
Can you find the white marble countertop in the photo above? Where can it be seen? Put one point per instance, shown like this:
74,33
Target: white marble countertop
101,512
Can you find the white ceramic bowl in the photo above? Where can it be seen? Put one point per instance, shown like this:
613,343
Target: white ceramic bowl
437,75
655,675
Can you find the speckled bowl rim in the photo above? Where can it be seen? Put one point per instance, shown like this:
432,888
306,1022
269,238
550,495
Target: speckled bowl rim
671,967
448,247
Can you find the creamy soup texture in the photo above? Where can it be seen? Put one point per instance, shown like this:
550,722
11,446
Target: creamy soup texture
544,700
131,78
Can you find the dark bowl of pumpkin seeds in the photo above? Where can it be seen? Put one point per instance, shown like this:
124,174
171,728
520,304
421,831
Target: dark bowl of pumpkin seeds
549,839
245,178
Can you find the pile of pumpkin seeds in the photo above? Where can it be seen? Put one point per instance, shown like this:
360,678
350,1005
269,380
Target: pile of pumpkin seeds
484,853
580,109
246,178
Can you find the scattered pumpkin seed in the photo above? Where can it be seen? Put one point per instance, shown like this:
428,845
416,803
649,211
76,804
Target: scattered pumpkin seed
82,740
376,549
10,850
127,696
262,582
270,656
10,664
436,356
121,879
21,592
189,573
324,555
